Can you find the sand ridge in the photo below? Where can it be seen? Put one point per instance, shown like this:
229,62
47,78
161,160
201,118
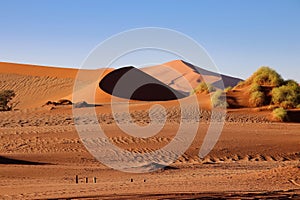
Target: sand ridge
183,76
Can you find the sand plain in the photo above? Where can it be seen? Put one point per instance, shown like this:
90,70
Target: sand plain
41,151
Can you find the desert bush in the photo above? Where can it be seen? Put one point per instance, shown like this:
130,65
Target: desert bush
266,76
279,114
257,99
287,96
203,87
228,89
240,84
218,100
287,104
254,88
5,97
272,107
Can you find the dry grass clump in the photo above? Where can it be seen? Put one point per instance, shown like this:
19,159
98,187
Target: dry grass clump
255,88
219,100
5,97
257,99
279,114
287,95
203,88
229,88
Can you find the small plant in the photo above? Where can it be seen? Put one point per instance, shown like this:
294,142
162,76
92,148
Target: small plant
272,107
287,96
287,104
279,114
291,83
257,99
240,84
203,87
254,88
218,100
5,97
229,88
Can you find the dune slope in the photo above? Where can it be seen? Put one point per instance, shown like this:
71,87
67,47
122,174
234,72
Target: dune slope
35,85
184,76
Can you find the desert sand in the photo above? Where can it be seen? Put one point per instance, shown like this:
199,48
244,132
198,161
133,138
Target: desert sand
41,151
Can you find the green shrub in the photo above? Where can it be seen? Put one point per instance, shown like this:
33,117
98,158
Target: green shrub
218,100
228,89
279,114
292,84
287,104
254,88
5,97
266,76
240,84
287,96
257,99
203,87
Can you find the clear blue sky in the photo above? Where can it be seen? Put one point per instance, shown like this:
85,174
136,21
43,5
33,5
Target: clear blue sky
239,35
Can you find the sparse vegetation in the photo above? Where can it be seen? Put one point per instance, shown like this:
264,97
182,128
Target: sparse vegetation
228,89
61,102
288,95
280,114
254,88
240,84
266,76
265,88
257,98
291,83
203,87
284,93
5,97
218,100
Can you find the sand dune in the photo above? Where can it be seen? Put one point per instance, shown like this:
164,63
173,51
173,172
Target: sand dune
34,91
183,76
41,151
35,85
132,83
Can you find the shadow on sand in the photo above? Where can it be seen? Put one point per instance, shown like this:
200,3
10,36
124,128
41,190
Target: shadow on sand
294,116
12,161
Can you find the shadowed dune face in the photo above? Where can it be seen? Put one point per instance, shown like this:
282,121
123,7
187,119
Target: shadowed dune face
132,83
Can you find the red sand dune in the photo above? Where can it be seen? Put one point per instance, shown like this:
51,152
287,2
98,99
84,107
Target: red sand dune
34,85
183,76
132,83
41,152
35,70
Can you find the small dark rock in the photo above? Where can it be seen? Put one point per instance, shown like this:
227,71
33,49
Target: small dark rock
81,104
